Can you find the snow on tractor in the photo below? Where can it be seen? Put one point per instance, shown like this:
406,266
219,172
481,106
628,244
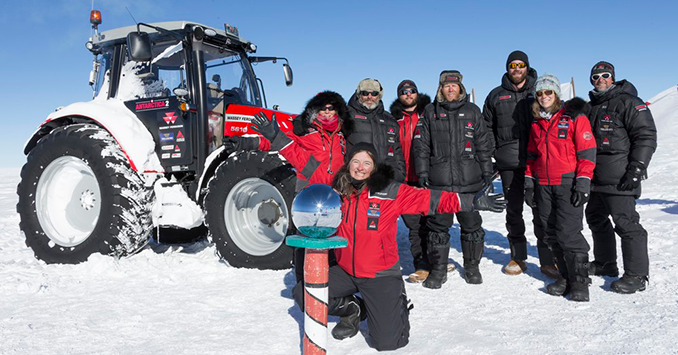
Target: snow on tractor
148,152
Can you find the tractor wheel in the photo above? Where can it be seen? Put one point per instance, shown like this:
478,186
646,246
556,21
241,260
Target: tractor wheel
79,196
247,210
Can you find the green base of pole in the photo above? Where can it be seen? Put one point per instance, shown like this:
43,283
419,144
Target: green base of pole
299,241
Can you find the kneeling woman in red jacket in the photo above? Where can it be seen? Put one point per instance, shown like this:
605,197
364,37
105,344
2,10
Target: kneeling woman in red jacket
561,155
371,202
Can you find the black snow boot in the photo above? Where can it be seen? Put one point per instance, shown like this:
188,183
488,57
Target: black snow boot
351,311
604,269
578,267
438,245
629,284
562,286
472,246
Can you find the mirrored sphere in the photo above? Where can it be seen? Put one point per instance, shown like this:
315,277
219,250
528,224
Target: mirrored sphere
316,211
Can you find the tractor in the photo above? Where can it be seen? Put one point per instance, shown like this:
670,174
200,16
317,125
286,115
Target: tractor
147,156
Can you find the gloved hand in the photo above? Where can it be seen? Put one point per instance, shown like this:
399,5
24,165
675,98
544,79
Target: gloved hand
529,192
634,173
483,201
237,143
424,181
579,198
529,197
267,127
488,178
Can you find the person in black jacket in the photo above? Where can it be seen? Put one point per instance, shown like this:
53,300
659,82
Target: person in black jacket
626,138
407,109
510,132
453,153
368,122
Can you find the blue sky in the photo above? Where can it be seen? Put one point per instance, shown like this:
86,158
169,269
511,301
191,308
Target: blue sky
333,45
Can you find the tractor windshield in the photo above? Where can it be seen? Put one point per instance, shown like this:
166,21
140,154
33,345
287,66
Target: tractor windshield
229,78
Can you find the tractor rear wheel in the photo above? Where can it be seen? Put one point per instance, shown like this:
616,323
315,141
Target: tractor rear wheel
78,195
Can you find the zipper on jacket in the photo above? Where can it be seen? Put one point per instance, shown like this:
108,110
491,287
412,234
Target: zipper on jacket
355,222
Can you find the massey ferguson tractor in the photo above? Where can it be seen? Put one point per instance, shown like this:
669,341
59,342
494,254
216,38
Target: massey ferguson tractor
147,152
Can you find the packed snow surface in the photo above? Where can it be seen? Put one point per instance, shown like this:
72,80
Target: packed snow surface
183,300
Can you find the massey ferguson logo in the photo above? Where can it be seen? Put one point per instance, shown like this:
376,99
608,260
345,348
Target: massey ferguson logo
170,117
151,105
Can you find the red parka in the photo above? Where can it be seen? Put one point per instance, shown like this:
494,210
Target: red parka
370,222
562,148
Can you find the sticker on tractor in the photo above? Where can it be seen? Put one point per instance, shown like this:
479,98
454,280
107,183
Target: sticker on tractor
151,105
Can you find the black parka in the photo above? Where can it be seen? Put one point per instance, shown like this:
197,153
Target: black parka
379,128
452,146
509,130
625,132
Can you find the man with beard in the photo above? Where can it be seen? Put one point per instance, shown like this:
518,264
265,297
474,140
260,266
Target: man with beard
453,153
407,108
626,138
368,122
507,115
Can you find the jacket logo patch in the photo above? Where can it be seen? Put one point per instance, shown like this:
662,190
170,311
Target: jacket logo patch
606,128
606,141
587,135
641,107
504,97
372,224
373,213
417,135
443,115
469,125
390,151
562,133
391,131
564,124
361,117
374,206
461,115
468,147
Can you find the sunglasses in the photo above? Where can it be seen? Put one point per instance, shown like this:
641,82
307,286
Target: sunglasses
517,65
603,75
327,108
366,93
408,91
544,92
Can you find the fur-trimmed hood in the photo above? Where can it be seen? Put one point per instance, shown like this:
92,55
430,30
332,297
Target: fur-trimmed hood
304,122
575,107
397,107
378,181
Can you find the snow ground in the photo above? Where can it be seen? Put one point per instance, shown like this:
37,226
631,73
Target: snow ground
181,299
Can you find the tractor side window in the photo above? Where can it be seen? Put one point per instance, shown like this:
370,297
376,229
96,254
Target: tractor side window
154,79
229,80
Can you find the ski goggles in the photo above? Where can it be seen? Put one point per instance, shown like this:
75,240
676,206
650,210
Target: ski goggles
544,92
408,91
517,65
595,77
366,93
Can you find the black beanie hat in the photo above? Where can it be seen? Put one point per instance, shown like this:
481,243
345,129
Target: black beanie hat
517,55
359,147
602,67
407,83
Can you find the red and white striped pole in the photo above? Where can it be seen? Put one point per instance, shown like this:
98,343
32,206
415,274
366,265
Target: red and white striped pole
316,280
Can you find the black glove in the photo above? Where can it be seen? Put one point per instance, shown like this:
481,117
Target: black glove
579,198
424,182
488,178
483,201
529,197
631,180
267,127
529,192
237,143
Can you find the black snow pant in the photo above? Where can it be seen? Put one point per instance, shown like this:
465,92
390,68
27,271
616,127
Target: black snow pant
385,299
513,183
563,222
626,223
416,223
439,224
